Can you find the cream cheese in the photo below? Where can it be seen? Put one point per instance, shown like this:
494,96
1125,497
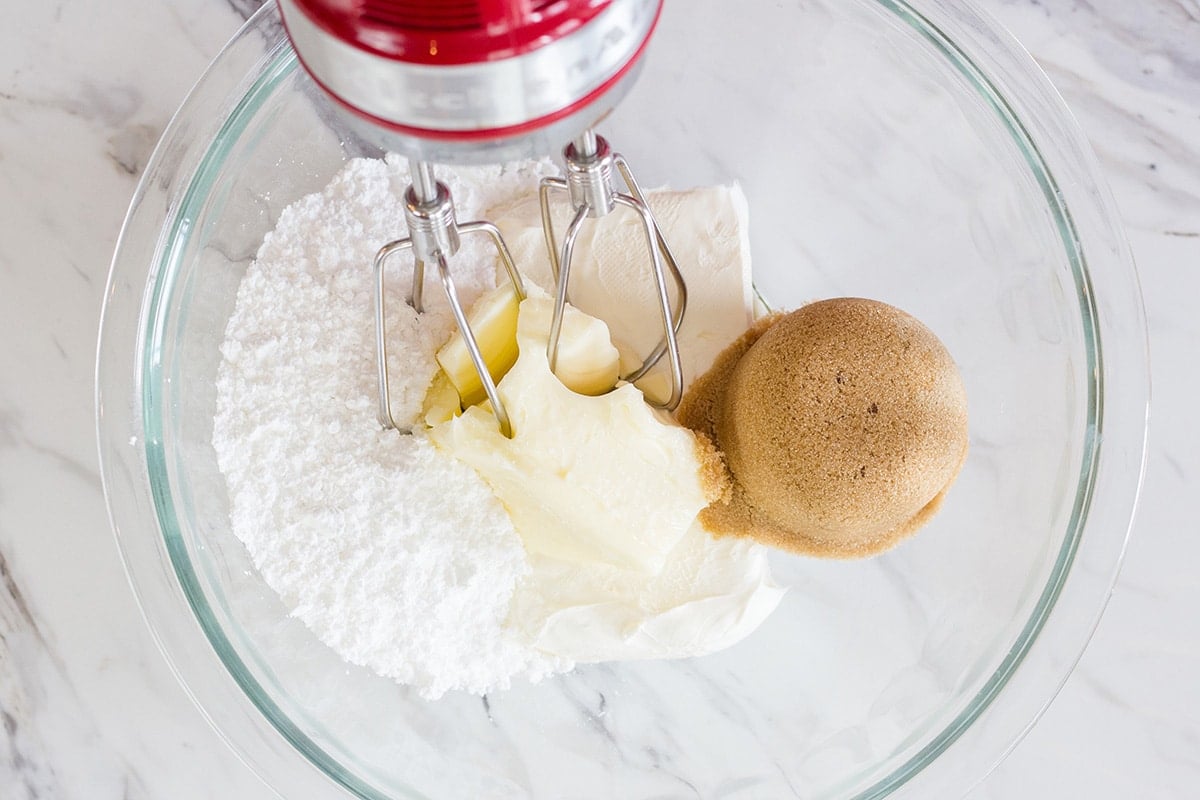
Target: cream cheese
621,569
585,479
711,594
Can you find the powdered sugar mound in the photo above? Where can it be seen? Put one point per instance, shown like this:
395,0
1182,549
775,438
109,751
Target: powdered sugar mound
394,554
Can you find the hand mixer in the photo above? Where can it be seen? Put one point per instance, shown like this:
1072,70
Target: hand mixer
477,81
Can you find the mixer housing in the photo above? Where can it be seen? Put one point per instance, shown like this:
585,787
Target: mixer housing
472,81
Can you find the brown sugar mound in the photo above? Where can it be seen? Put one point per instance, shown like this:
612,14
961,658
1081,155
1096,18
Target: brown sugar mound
842,425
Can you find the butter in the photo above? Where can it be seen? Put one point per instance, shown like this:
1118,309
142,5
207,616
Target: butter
587,361
603,479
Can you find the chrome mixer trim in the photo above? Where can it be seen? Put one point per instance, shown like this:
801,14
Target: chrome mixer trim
491,95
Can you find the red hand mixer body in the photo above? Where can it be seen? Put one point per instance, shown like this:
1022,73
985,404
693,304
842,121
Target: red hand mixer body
473,80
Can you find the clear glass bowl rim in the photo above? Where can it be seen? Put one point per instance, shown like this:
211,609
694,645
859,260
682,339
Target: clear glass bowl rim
288,760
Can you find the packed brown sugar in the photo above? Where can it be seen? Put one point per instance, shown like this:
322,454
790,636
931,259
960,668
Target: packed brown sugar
842,425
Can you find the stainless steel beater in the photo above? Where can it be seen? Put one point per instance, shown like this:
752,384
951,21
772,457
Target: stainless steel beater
434,236
590,189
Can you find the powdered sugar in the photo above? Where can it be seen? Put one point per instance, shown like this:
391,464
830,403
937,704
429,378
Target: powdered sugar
394,554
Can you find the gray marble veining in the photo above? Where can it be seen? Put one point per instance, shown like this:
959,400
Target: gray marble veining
89,710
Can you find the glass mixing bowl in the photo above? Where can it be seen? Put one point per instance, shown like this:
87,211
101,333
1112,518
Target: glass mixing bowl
909,152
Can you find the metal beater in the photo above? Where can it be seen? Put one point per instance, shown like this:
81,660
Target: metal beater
434,236
592,194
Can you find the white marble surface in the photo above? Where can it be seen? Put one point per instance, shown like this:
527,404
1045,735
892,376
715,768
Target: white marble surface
87,706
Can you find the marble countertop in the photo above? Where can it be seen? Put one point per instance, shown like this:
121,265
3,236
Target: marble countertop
88,707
